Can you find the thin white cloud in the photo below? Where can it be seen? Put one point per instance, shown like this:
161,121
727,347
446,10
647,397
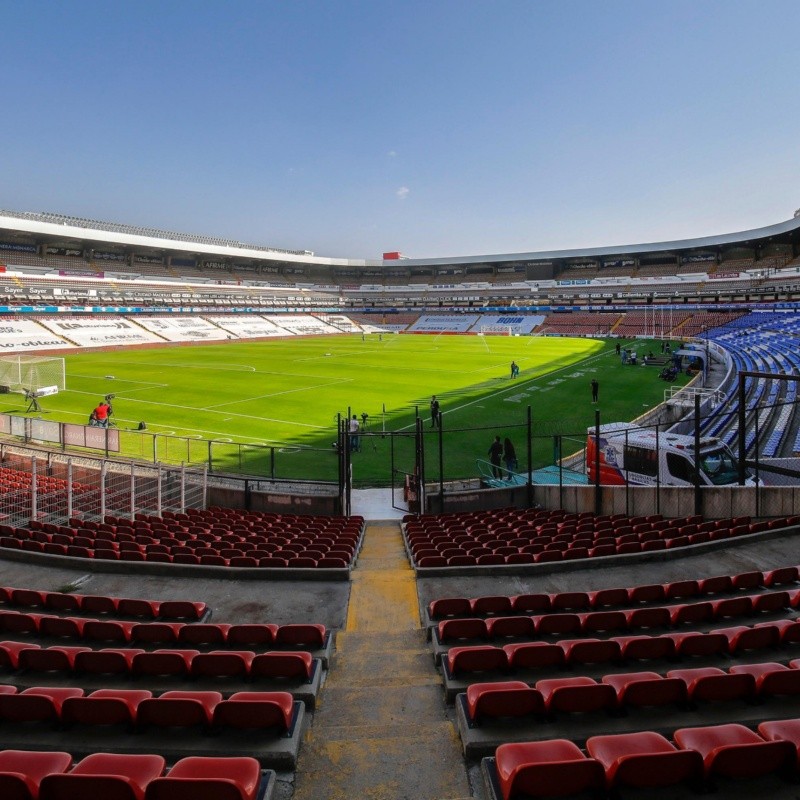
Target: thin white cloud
392,154
403,192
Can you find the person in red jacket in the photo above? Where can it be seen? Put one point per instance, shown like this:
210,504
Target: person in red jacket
101,414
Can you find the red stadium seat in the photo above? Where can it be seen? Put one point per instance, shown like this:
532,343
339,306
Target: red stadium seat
772,679
691,643
480,658
691,613
496,605
741,638
468,628
222,664
555,767
534,655
181,610
646,689
163,662
298,664
104,707
604,621
608,597
569,601
510,627
735,751
645,648
784,730
503,699
204,634
530,603
308,634
208,778
178,709
108,631
590,651
710,684
258,635
156,632
648,618
108,661
576,695
51,659
643,760
106,776
557,624
37,704
22,771
256,711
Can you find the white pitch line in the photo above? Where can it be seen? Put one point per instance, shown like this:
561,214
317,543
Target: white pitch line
278,394
516,385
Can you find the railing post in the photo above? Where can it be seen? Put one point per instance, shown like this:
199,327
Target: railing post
133,486
103,468
698,500
69,489
34,488
598,495
742,430
441,463
159,488
529,455
183,488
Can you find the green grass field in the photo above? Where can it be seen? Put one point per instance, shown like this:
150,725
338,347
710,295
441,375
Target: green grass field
288,394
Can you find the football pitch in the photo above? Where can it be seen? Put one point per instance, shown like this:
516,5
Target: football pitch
289,395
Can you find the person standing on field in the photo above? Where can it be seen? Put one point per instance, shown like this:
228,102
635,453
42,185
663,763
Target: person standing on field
510,457
436,413
354,438
595,389
495,454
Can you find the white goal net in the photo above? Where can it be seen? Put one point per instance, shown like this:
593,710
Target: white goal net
20,373
499,330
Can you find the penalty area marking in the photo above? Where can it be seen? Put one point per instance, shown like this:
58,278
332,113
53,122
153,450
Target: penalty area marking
288,449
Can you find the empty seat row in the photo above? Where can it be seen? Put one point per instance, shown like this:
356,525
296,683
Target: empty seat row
139,708
449,543
235,558
28,775
644,760
132,663
453,553
648,618
461,661
102,604
193,538
263,635
581,694
610,598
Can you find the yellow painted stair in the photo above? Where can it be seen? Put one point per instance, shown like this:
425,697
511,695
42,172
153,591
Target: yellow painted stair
381,729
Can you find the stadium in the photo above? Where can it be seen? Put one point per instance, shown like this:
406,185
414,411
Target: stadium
389,589
398,401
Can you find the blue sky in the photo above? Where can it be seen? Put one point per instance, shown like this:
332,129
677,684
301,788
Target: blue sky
434,128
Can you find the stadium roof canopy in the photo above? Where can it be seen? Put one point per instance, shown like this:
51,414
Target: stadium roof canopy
54,227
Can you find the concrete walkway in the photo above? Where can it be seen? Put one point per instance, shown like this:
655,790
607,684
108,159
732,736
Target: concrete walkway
381,730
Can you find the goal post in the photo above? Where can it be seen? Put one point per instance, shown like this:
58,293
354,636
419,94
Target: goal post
499,330
31,373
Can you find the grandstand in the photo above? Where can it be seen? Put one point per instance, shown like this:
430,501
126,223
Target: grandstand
199,633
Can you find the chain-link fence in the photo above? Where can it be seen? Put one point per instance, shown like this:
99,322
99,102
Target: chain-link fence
649,467
55,487
273,462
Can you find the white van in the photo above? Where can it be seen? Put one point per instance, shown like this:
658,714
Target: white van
640,456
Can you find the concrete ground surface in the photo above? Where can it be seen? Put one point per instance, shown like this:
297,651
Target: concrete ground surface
382,730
